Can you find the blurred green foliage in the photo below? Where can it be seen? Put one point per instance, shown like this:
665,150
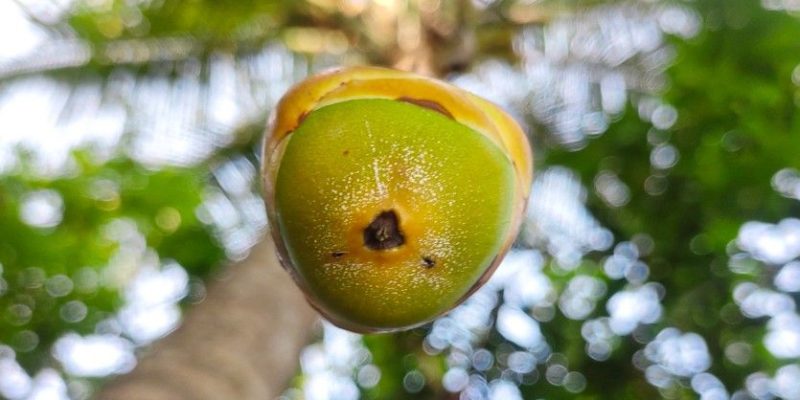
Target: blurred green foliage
213,22
738,125
38,305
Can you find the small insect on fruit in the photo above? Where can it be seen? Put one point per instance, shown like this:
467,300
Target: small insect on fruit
391,196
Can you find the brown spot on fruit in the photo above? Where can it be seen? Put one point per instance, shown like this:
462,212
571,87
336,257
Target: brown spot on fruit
337,254
428,262
383,233
429,104
301,118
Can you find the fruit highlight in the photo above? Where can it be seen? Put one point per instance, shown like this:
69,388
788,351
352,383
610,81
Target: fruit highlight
391,197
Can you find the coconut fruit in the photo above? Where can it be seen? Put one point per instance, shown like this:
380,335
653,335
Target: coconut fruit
391,196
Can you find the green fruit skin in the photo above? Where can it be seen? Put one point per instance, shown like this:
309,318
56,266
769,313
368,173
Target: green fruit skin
454,186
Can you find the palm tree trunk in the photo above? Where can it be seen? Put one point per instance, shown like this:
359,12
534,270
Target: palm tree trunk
241,342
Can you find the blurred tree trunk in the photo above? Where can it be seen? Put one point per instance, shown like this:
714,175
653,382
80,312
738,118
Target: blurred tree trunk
241,342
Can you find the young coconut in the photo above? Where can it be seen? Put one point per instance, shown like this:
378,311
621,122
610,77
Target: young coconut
391,196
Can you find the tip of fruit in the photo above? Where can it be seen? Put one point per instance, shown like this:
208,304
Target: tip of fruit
383,233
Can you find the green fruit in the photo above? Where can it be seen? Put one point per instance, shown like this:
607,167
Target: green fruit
391,196
443,193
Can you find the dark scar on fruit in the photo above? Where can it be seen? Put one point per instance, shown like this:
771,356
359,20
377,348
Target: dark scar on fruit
302,118
383,233
337,254
429,104
428,261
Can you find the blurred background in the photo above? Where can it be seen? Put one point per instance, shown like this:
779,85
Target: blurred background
659,257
